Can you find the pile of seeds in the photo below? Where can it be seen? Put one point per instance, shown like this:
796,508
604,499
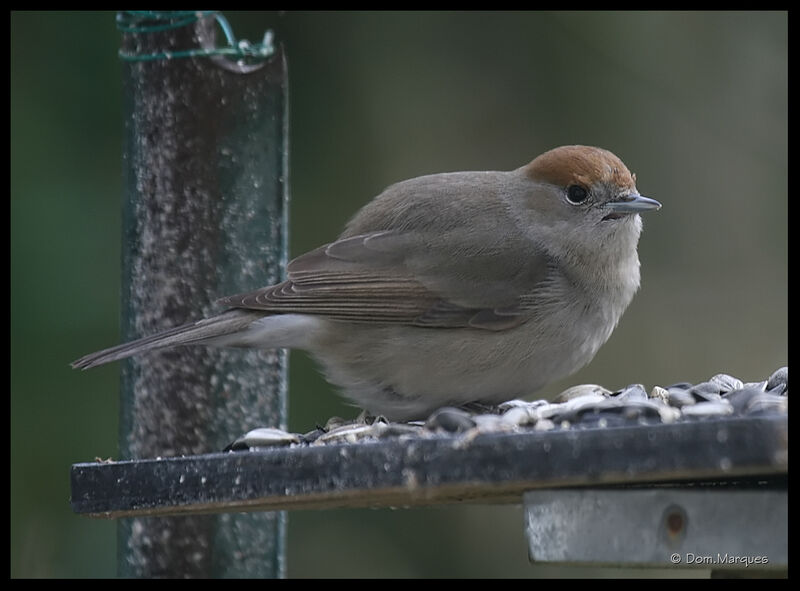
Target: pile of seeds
584,406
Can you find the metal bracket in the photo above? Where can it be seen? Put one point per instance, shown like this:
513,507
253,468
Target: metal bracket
705,527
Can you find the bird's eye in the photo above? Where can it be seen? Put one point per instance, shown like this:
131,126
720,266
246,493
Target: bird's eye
577,194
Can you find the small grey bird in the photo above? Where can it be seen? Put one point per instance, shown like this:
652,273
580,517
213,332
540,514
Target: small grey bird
451,288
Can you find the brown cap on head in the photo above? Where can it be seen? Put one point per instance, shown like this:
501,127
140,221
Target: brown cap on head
582,165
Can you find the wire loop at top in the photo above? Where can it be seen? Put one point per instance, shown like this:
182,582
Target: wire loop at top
152,21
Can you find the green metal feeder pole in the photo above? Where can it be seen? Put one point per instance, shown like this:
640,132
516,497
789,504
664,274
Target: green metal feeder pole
204,216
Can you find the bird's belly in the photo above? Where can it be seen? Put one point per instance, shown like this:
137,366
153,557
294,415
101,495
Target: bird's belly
407,372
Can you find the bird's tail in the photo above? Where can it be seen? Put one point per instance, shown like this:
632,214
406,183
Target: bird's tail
195,333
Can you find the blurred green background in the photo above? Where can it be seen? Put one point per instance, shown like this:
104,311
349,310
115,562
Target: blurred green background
696,104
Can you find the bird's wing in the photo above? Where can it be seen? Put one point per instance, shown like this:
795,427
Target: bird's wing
408,278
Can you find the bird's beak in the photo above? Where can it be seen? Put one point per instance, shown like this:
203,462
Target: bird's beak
633,203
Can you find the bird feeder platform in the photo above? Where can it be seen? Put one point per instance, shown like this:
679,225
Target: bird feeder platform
568,479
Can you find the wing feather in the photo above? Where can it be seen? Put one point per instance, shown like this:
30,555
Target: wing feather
395,277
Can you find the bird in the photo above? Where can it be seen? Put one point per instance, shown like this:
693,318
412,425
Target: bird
450,289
